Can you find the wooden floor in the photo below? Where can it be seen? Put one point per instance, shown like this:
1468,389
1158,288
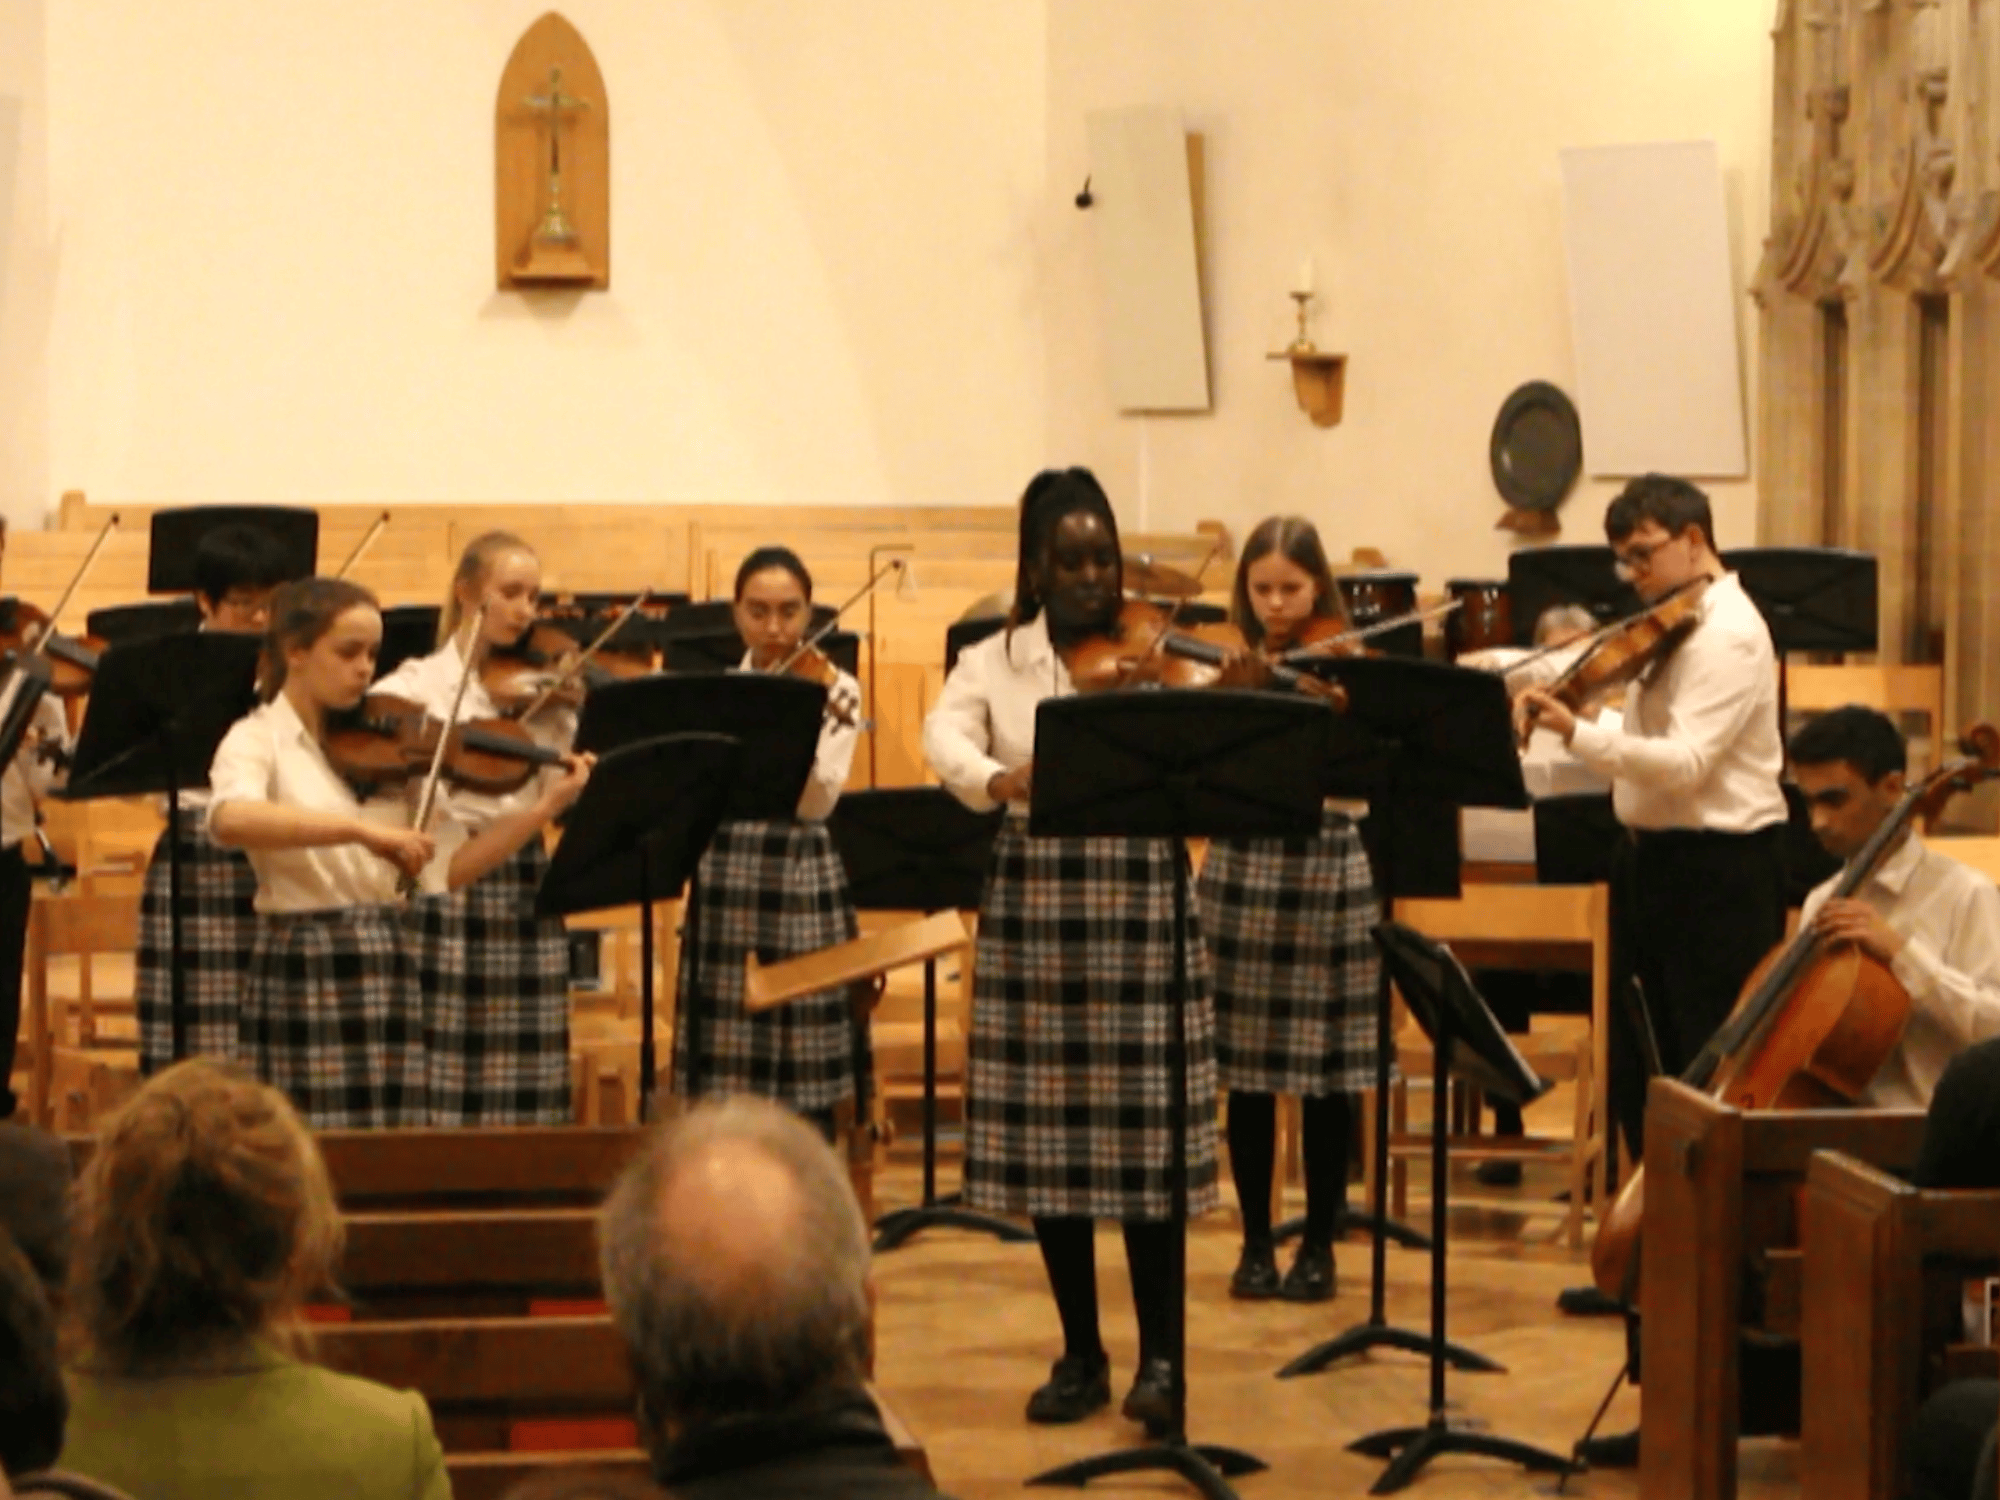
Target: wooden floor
966,1329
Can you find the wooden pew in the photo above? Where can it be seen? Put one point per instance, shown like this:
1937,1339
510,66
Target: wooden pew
1720,1250
1881,1305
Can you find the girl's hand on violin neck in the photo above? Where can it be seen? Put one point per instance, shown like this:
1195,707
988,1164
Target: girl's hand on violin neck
405,848
1243,668
565,789
1012,786
1851,921
1536,709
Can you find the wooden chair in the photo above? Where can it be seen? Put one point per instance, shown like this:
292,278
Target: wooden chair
1981,854
1881,1307
1893,690
1721,1251
75,1074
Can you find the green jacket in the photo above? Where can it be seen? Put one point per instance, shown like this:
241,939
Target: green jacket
257,1426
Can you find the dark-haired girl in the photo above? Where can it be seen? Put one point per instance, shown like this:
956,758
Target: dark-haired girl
1068,1086
495,975
1296,970
775,889
332,1010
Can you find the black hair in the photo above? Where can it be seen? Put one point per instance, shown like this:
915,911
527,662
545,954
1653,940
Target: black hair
1050,496
1864,739
34,1405
301,613
238,557
1673,503
765,558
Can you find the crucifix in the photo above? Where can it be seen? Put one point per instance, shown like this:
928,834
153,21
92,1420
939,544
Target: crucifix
555,227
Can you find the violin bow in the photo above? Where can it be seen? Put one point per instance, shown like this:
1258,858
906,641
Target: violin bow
893,565
82,570
583,659
367,540
1373,628
427,803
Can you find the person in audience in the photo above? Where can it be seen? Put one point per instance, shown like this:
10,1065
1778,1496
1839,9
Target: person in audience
34,1200
204,1221
776,889
236,570
735,1263
495,976
24,780
1296,972
33,1403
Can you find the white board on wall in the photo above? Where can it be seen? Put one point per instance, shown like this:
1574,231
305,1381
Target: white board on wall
1652,310
1150,286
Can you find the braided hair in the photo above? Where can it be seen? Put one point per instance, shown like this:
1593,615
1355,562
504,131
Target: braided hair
1051,496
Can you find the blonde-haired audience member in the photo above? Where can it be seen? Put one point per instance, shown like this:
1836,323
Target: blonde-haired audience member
204,1221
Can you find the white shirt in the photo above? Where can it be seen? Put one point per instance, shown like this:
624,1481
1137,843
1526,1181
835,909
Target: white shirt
1949,915
432,682
1700,745
270,756
28,776
834,756
983,722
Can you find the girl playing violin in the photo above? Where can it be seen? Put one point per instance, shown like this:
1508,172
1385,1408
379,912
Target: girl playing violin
1296,972
495,976
1067,1091
776,889
236,570
332,1011
30,774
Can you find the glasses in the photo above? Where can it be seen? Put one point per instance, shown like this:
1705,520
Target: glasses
1639,559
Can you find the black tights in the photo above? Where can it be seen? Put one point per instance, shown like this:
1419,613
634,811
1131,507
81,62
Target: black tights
1253,1133
1069,1250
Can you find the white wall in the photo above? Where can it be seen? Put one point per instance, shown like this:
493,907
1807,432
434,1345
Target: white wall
1410,148
248,251
274,256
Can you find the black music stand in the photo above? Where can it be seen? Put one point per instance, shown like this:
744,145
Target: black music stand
408,630
158,710
177,534
1813,598
963,633
637,833
920,849
1175,764
776,722
1539,578
1442,998
1424,731
122,624
24,682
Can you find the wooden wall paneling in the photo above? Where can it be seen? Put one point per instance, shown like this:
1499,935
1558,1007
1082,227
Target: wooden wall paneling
903,694
551,54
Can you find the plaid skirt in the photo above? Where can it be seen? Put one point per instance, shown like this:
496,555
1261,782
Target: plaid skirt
777,890
218,926
1068,1072
495,981
1296,971
333,1016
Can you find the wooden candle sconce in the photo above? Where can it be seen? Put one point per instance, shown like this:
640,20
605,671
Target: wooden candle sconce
552,163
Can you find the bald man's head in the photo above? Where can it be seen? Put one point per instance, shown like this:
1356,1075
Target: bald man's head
736,1264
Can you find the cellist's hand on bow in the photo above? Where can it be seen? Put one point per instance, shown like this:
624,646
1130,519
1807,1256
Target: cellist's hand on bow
1851,921
1535,708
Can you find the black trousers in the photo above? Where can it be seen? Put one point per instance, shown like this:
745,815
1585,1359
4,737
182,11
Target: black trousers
16,891
1692,914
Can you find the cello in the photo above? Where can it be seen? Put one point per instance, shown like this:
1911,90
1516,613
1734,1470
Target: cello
1815,1021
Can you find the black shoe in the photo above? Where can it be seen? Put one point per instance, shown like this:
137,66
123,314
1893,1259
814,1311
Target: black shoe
1619,1451
1076,1387
1256,1278
1151,1399
1587,1302
1498,1173
1311,1277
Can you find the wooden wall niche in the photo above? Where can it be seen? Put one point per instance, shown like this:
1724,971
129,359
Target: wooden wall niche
552,80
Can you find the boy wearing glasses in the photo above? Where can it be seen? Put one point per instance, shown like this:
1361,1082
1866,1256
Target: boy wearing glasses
1698,890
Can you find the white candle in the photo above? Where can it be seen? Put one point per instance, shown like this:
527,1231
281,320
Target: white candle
1304,281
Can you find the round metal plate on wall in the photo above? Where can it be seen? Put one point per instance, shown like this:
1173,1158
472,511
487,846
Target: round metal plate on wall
1536,455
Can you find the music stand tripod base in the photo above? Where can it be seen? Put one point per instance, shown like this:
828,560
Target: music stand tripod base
1348,1221
1202,1465
1410,1448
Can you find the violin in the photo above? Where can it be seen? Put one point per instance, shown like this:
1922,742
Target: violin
1624,651
26,629
386,740
1815,1021
548,665
1142,645
810,664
